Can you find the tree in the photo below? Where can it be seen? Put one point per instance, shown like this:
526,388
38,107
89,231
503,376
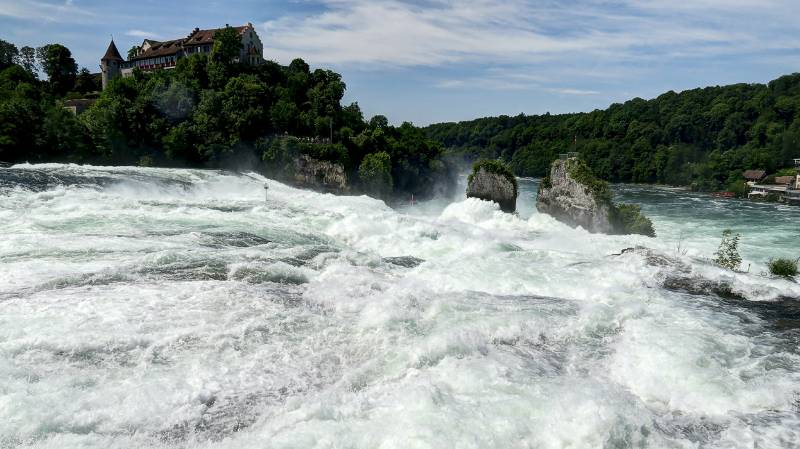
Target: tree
227,45
727,256
133,51
20,115
86,82
375,173
8,54
378,121
27,59
57,62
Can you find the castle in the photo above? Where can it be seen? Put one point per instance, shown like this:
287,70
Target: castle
157,55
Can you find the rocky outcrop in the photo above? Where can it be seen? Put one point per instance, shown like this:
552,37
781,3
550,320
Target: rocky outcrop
320,175
575,201
573,195
493,185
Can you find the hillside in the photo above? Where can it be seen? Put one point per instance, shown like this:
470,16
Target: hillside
701,137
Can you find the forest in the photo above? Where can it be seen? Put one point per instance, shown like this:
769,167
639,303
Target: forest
704,138
209,111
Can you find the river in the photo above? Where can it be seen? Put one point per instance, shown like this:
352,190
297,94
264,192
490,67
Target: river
147,307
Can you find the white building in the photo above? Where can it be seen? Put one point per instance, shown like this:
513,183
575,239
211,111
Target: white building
159,55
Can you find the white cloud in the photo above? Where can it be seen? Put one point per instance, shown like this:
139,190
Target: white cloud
142,34
45,11
437,32
570,91
511,79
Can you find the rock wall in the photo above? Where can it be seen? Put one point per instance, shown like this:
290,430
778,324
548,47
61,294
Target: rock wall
574,203
321,175
493,187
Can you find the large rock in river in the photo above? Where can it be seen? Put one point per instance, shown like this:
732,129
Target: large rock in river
575,202
573,195
493,181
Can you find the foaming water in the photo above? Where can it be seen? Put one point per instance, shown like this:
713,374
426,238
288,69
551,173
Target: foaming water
180,308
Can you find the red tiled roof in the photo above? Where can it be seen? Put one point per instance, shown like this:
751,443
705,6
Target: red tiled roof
157,49
199,37
169,48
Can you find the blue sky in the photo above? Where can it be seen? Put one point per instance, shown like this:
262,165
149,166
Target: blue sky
428,61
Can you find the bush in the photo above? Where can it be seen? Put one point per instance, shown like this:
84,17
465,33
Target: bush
331,152
630,220
739,188
727,256
783,267
375,173
580,172
146,161
496,167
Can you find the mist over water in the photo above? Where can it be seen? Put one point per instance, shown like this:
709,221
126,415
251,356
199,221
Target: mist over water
174,308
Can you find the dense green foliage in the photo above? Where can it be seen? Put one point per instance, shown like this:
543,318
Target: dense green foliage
57,62
703,137
375,173
727,255
496,167
580,172
783,267
210,111
630,220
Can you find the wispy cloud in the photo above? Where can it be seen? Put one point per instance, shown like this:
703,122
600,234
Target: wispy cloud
143,34
42,11
570,91
511,79
437,32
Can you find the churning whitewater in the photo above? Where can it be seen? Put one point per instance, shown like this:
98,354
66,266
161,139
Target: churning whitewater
144,307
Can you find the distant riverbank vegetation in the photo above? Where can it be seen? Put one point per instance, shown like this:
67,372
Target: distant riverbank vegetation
209,111
703,138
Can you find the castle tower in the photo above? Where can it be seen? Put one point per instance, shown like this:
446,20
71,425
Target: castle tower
110,64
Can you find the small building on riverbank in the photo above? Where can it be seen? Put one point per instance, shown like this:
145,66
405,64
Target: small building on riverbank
754,176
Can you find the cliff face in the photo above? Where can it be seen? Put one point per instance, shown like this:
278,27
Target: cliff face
573,202
493,187
321,175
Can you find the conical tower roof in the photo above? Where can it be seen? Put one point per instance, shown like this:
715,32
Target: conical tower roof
112,53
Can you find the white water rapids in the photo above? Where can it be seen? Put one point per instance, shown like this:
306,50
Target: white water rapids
174,308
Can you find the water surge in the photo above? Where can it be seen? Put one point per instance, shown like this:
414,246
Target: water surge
144,307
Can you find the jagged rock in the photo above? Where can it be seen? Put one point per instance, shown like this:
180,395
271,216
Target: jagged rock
323,175
404,261
573,195
696,285
493,181
655,259
572,201
677,276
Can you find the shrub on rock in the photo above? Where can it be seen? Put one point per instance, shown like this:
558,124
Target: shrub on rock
493,180
783,267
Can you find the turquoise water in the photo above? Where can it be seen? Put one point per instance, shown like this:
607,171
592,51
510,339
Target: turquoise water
181,308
